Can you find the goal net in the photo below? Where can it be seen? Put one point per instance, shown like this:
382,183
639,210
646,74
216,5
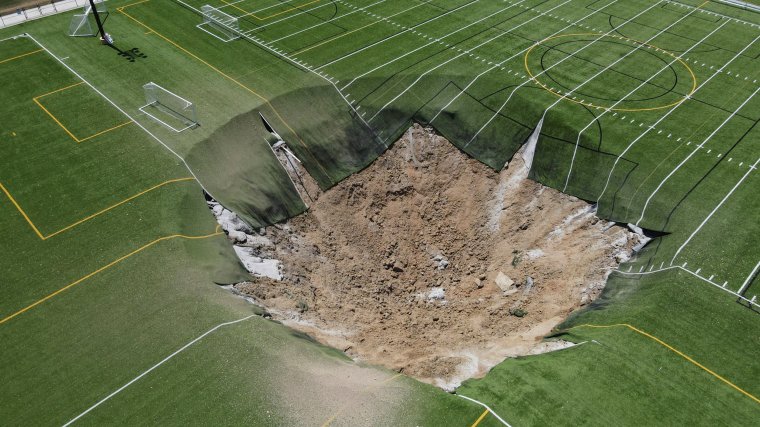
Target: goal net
83,24
219,24
169,109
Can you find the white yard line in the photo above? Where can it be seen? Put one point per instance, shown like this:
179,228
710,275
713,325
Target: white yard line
693,273
466,52
749,171
485,406
607,110
431,43
408,29
149,370
501,108
332,82
668,113
138,124
235,3
332,21
693,152
290,16
500,64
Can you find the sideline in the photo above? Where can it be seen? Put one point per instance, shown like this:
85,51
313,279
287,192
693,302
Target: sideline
106,267
674,350
491,411
166,359
102,211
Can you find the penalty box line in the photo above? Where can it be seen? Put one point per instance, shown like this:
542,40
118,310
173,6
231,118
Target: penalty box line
216,232
76,139
87,218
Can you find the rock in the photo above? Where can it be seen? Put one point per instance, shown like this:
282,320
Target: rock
504,282
436,294
237,236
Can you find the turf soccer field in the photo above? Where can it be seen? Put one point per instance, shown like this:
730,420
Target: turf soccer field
110,309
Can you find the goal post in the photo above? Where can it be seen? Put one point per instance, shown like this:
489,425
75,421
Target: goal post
219,24
83,24
168,109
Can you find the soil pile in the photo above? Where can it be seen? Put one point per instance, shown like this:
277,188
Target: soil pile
430,263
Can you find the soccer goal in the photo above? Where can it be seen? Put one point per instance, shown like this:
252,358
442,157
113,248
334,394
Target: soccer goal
221,25
83,24
169,109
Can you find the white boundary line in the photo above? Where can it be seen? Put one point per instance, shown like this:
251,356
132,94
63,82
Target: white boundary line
500,64
432,42
181,159
681,102
693,152
607,110
465,52
412,28
752,168
149,370
246,33
693,273
203,24
485,406
303,66
496,114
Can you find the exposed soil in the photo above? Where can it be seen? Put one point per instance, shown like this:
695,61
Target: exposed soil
430,263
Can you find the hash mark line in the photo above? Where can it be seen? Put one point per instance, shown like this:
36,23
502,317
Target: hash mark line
348,55
270,42
534,78
595,120
617,159
491,411
466,52
500,64
683,268
746,174
430,43
149,370
693,152
339,36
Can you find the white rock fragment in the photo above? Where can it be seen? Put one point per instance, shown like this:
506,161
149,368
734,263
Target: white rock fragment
258,266
438,294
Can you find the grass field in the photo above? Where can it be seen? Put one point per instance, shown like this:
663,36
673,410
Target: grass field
110,258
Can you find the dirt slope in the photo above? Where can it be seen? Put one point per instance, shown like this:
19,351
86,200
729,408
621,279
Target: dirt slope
431,263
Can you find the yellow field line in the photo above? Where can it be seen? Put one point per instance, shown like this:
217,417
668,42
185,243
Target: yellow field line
678,352
334,38
270,16
18,207
74,137
369,387
68,227
55,120
20,56
482,416
105,267
548,89
105,131
225,75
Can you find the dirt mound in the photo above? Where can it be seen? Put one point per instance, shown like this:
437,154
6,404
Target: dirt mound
430,263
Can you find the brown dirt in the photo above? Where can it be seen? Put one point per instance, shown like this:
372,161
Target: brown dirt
362,268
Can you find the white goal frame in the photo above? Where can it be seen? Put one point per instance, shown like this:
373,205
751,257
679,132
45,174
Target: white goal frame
225,26
169,103
81,24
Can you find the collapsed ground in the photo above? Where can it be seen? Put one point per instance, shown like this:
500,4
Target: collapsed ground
430,263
